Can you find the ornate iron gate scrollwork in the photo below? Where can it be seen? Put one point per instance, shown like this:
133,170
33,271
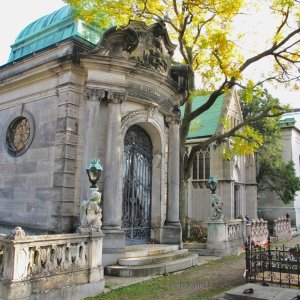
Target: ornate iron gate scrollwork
137,186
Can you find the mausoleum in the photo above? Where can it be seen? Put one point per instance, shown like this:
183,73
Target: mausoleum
70,93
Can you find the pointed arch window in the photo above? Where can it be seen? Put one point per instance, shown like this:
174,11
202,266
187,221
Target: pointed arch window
201,165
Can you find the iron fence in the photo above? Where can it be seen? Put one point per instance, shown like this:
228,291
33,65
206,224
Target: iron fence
278,265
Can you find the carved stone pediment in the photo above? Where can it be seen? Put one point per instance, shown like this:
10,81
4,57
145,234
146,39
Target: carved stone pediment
148,46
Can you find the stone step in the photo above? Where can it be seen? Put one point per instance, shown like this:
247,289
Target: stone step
153,269
189,245
201,252
149,250
153,259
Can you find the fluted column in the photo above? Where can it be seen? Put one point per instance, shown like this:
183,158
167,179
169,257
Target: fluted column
173,170
112,203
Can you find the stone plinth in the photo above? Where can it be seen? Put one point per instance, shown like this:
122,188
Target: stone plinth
113,246
171,234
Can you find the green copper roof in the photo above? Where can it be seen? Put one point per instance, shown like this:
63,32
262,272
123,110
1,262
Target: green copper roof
287,121
206,124
51,29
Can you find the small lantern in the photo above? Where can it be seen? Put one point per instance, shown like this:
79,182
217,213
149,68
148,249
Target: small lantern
212,184
94,171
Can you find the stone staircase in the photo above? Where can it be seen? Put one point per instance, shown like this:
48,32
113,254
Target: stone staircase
149,260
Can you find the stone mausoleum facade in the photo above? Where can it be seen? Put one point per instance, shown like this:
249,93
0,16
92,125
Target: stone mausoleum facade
71,93
236,176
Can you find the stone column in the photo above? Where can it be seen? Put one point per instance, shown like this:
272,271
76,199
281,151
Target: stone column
114,240
172,228
173,171
112,203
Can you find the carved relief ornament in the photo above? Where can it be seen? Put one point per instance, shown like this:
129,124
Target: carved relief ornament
175,119
150,113
109,96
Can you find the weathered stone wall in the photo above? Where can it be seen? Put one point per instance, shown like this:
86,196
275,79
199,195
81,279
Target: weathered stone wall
37,187
26,190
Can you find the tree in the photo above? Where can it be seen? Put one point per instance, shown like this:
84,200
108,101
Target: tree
272,173
207,43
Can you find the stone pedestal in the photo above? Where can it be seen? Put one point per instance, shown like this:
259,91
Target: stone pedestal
224,238
216,232
171,234
113,246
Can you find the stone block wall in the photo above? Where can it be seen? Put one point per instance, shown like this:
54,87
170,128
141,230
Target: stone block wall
26,181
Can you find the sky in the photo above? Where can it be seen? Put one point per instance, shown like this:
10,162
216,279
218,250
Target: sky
17,14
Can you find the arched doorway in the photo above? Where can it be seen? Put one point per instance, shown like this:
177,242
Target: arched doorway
137,186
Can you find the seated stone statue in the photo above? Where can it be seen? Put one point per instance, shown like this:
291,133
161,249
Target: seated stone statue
217,205
91,214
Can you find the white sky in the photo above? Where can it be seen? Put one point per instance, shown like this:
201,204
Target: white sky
16,14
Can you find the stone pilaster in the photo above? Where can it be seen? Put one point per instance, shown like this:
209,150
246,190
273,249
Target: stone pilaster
172,227
66,142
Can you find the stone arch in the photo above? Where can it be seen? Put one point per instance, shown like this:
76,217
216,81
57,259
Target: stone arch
154,128
236,174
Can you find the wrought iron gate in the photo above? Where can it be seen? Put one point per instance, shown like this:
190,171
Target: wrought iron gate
137,186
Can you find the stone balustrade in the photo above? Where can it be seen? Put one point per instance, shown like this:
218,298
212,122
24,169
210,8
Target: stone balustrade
68,265
258,231
282,229
234,229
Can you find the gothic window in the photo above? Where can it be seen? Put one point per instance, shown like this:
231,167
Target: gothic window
19,136
201,165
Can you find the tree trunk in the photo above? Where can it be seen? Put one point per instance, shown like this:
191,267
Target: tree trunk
184,130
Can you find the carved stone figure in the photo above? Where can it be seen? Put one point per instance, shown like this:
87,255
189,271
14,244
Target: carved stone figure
91,214
16,234
217,206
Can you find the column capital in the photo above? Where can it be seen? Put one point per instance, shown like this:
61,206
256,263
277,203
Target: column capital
94,94
173,120
115,97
